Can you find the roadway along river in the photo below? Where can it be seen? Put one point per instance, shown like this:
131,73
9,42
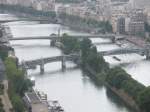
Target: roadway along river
74,90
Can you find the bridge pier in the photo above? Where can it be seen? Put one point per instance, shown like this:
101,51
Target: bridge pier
63,63
42,67
113,39
52,42
147,55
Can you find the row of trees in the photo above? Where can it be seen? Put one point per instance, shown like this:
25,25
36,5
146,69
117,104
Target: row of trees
70,44
18,84
89,54
69,1
4,51
119,79
1,106
28,10
82,23
115,77
147,27
91,57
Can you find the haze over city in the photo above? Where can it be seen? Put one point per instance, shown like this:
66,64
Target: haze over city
74,55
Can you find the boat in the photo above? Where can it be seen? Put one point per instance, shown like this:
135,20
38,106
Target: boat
116,58
54,106
32,80
42,96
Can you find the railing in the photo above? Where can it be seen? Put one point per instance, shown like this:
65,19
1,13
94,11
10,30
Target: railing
122,51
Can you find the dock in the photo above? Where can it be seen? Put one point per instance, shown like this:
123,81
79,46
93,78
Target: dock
36,101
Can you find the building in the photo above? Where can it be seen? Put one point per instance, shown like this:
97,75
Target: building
103,9
136,24
44,5
121,25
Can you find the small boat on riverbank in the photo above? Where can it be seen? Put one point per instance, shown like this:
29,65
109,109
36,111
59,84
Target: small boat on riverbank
116,58
42,95
54,106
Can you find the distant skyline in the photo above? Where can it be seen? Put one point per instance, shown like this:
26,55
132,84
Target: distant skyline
140,3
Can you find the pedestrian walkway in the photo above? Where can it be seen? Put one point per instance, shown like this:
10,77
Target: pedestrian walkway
5,98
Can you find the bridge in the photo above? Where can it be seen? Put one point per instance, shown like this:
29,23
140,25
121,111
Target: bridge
24,19
140,51
56,38
31,64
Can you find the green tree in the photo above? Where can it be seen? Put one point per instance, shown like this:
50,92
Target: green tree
18,84
17,104
116,76
132,87
144,99
147,27
70,44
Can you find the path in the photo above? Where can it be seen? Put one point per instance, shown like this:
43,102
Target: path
5,99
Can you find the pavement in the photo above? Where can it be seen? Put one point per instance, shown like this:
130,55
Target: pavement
5,98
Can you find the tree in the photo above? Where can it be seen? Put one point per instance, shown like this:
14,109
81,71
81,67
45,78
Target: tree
85,46
147,27
116,76
17,104
70,44
16,77
18,84
144,99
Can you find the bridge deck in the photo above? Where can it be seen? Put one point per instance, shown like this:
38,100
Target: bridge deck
52,37
32,63
122,51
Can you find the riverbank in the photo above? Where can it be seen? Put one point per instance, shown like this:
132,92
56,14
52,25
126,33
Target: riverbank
116,79
129,101
88,25
74,22
29,12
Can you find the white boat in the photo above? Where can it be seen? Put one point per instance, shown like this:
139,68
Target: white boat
42,95
32,80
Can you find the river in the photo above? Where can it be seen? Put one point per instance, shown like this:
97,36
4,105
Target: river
75,91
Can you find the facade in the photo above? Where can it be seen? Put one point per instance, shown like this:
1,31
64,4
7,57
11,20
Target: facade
103,9
136,28
136,24
45,5
121,25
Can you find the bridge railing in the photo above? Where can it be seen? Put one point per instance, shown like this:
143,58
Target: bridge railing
122,51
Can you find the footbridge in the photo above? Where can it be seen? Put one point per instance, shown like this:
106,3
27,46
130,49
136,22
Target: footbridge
31,64
141,51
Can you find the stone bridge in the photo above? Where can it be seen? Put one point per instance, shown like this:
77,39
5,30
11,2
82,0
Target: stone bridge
24,19
140,51
56,38
31,64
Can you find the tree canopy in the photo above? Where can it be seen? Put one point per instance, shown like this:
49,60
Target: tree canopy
18,84
144,99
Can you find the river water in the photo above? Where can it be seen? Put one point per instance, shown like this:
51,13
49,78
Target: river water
75,91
